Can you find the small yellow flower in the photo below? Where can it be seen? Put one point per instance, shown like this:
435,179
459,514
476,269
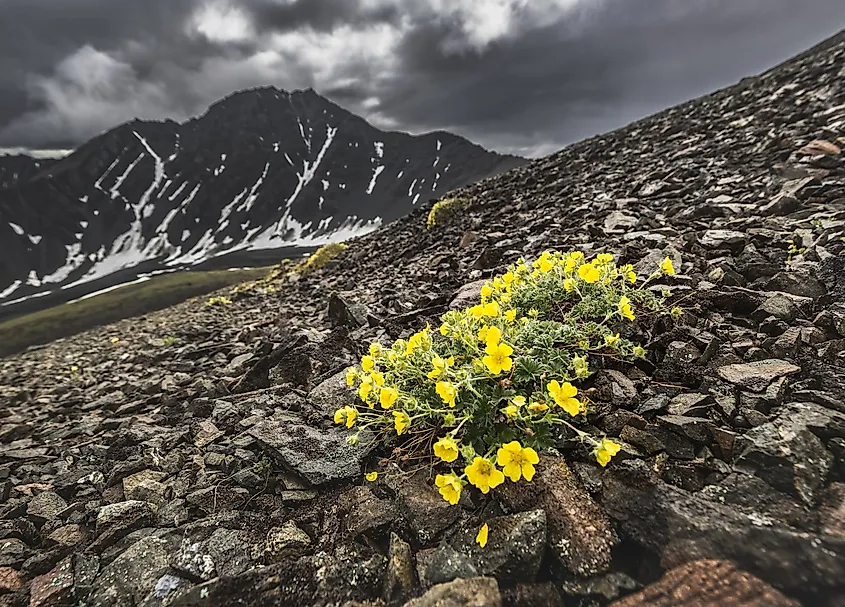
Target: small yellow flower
536,407
365,389
564,396
114,340
498,358
447,391
351,376
371,476
487,290
481,538
446,449
625,309
546,265
490,335
605,450
569,265
444,329
450,487
517,462
603,259
639,351
667,266
511,411
440,365
367,363
610,340
476,312
401,421
388,397
346,415
533,312
491,309
510,315
519,401
508,279
483,474
569,284
375,349
628,272
589,273
676,312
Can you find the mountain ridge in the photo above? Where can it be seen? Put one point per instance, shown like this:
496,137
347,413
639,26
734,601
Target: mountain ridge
262,168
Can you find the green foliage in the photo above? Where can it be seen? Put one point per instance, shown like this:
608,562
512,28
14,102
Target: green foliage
444,210
496,378
218,300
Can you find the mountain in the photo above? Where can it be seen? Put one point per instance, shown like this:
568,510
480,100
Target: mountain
261,169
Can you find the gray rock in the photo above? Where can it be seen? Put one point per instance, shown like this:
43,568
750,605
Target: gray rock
516,544
132,575
472,592
779,306
797,283
145,486
621,390
132,513
230,551
343,313
46,506
467,295
443,564
427,513
332,394
682,527
718,239
319,456
13,552
757,375
285,542
682,353
192,563
787,455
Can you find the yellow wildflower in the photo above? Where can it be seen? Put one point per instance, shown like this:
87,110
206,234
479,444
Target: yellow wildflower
388,397
481,538
667,266
440,365
447,391
508,279
582,368
516,461
511,411
371,476
639,351
114,340
401,421
444,329
605,450
477,312
564,396
498,358
378,378
346,415
483,474
450,487
536,407
491,309
569,265
625,308
603,259
589,273
490,335
569,284
510,315
446,449
351,376
487,290
610,340
365,389
676,312
367,363
628,272
546,264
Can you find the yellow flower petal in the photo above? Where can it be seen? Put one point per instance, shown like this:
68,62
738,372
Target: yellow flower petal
481,538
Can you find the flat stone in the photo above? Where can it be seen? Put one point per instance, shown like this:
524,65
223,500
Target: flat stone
46,506
145,486
757,375
708,583
472,592
332,394
321,457
468,295
427,513
10,580
442,564
206,434
132,575
69,535
129,513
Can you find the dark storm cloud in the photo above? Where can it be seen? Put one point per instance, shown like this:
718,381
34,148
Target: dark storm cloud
526,77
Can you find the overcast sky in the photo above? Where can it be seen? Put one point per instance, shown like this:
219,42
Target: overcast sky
519,76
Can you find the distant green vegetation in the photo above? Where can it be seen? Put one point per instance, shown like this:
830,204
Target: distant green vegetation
159,292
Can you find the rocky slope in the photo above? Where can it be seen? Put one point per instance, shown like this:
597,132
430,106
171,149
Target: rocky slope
133,479
261,169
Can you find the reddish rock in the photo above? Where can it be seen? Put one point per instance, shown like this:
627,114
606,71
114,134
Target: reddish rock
708,584
10,580
54,588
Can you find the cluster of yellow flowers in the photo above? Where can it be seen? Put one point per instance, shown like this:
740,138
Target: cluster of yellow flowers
491,384
218,301
442,210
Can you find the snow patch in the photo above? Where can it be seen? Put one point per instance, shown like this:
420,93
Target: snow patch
379,145
10,289
18,230
376,173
